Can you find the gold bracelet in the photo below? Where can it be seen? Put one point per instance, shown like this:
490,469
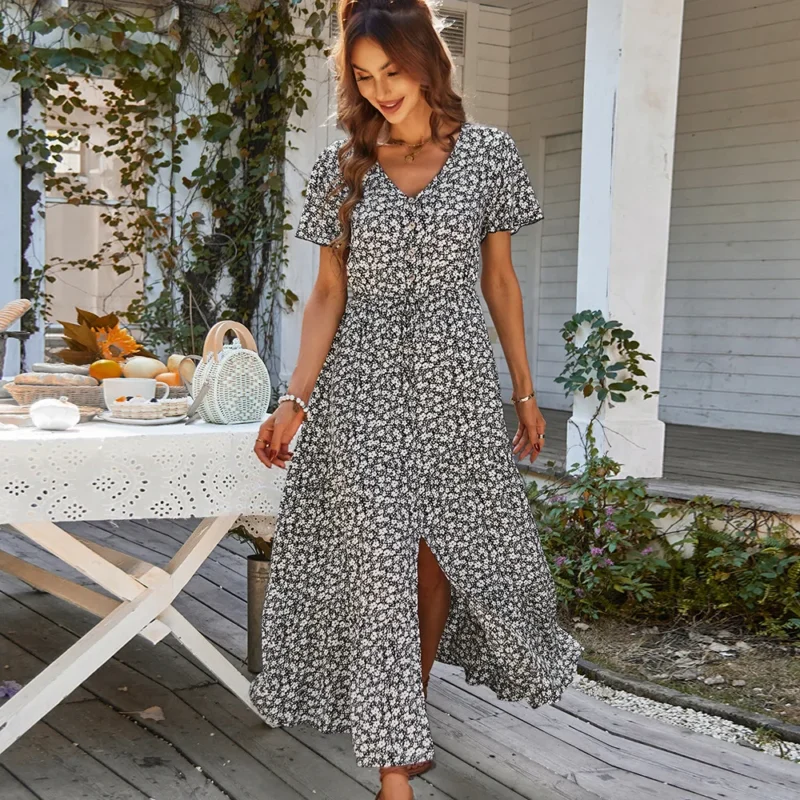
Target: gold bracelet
522,399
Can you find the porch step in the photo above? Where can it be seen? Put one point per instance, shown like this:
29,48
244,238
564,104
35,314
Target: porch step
759,470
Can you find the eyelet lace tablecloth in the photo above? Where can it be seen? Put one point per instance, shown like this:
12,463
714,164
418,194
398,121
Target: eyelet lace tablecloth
103,471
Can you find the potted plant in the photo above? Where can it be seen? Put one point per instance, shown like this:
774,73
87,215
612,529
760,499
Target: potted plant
256,532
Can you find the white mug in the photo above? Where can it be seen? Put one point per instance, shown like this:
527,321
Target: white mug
131,387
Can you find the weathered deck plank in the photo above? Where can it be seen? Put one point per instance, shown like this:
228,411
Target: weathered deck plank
706,761
126,690
674,740
12,788
592,771
578,749
132,752
53,768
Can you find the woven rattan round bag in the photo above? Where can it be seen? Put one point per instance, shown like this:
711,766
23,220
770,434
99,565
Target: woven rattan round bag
239,385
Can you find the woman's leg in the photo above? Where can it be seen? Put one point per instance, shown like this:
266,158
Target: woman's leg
434,605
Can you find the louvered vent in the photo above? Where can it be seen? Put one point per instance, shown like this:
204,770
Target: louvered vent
454,33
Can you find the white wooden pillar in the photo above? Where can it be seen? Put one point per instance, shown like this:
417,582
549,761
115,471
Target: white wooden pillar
10,210
629,110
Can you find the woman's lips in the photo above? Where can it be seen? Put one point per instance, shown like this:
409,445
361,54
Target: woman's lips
390,107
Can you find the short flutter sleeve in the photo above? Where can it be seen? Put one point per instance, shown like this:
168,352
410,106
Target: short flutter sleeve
318,219
512,203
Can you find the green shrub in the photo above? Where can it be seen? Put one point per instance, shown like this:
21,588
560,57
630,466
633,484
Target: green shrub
610,552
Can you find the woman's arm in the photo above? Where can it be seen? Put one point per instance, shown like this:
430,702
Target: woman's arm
321,319
501,291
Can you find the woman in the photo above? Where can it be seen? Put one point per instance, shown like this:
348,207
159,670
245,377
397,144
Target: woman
404,533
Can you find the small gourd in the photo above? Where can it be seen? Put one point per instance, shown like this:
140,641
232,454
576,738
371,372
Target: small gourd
143,367
51,414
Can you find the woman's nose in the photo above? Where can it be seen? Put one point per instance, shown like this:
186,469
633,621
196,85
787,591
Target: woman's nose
382,91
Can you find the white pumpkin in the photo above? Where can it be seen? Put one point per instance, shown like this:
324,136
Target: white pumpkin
143,367
51,414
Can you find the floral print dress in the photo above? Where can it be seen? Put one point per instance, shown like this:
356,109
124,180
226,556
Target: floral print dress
407,439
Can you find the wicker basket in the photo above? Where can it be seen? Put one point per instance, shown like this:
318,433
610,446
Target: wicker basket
80,395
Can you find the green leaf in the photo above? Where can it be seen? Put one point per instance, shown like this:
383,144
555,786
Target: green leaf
218,93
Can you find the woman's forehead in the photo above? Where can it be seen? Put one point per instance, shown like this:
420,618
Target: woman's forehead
368,55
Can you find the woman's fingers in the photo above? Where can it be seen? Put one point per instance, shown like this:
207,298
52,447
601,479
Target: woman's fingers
522,444
530,449
282,456
278,447
538,444
262,443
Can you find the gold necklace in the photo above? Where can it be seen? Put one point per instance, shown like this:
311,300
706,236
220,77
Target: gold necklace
414,147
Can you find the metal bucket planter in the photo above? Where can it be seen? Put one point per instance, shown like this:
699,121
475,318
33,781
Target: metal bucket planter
257,579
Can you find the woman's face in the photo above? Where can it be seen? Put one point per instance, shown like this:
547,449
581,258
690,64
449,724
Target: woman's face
382,82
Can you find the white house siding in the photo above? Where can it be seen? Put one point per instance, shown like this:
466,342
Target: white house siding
486,97
732,330
546,88
732,337
490,88
559,263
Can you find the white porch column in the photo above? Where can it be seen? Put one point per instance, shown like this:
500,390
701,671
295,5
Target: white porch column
629,109
9,209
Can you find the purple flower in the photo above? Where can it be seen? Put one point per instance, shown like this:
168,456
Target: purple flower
610,525
647,550
560,561
9,688
610,510
596,551
558,498
608,562
579,591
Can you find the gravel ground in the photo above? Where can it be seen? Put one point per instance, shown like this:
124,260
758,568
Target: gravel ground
687,718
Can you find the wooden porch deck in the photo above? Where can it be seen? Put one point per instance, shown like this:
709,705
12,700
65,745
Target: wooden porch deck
209,747
760,470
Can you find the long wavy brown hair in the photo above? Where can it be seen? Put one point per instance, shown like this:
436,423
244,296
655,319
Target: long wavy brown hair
409,32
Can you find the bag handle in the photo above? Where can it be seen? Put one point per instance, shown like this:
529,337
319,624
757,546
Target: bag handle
216,338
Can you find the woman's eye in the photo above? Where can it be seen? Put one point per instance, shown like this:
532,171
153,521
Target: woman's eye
363,78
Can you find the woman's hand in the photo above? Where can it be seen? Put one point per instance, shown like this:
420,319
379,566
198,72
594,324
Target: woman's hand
531,424
275,433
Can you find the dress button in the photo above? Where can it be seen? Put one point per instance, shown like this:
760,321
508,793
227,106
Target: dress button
411,226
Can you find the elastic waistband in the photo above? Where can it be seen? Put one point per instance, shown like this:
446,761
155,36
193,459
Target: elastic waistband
432,295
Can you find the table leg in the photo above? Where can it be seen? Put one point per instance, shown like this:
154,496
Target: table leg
84,658
146,592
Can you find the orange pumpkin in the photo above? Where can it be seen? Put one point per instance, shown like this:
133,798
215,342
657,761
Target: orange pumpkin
170,378
105,368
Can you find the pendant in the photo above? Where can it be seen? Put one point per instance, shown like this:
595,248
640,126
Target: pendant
409,156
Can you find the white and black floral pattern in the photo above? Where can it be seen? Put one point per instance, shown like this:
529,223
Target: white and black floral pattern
408,440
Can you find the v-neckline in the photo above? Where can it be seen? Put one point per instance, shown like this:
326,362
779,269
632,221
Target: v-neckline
435,178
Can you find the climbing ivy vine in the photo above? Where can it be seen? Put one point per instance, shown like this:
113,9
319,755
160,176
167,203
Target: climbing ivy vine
194,103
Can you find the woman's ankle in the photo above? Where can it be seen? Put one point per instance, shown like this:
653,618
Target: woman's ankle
395,786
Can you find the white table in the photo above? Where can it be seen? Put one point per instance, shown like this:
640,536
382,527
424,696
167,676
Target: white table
105,471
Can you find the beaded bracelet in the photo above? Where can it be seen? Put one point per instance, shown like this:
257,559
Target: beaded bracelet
299,403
